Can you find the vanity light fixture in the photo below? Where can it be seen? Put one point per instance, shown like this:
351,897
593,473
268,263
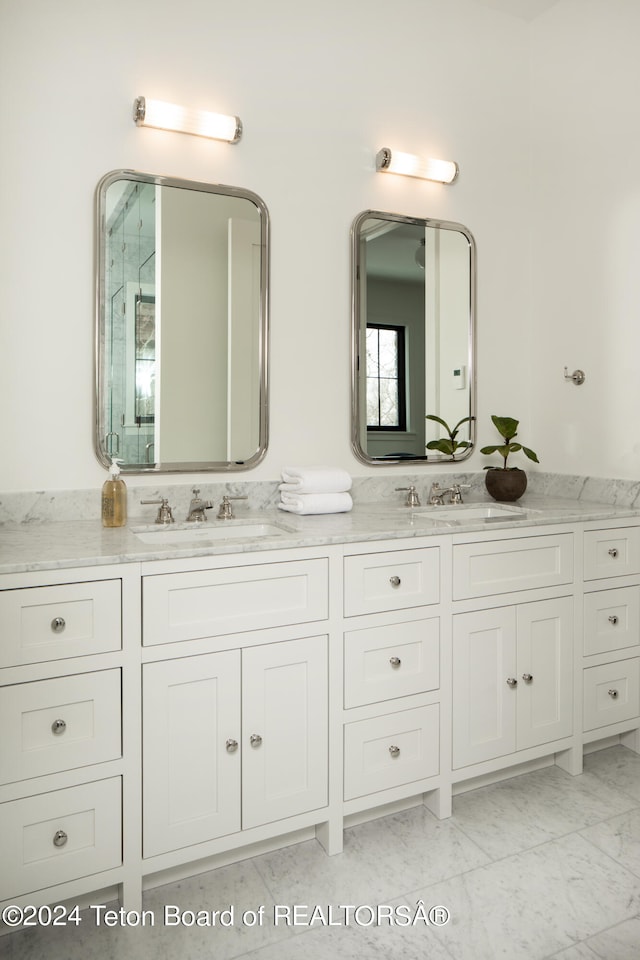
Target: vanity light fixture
201,123
409,165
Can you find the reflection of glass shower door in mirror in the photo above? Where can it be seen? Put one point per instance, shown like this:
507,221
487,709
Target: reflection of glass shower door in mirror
413,289
182,324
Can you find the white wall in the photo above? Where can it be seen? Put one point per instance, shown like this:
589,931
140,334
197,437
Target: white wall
319,87
586,237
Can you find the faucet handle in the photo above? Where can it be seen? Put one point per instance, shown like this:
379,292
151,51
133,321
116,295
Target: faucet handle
225,511
456,491
164,512
413,500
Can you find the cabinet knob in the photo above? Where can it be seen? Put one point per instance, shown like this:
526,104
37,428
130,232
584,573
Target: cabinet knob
613,552
58,624
231,745
395,581
255,739
395,661
60,838
58,727
613,620
394,751
512,681
613,693
527,677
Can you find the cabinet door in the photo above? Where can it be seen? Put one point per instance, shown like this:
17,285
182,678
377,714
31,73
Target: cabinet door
284,729
484,701
544,671
191,772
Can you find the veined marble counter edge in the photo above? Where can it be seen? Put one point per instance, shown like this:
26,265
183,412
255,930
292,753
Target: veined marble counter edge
62,529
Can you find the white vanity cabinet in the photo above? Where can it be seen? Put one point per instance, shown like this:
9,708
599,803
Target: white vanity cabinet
391,663
159,716
512,679
235,722
513,662
233,740
61,734
611,642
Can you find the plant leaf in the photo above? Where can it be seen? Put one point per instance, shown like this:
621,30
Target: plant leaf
529,453
443,445
507,427
490,449
432,416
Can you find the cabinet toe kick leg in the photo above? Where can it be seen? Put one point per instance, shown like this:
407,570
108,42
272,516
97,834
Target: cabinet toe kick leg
330,836
570,761
439,801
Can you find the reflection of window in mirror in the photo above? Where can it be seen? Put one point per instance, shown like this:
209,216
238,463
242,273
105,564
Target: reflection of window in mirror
386,381
413,297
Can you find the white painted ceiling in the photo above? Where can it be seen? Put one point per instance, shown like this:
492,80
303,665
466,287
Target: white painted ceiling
525,9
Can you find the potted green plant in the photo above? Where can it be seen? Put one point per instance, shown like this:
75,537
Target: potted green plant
449,445
506,483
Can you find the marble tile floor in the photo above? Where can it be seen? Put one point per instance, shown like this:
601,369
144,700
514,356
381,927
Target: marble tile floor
539,866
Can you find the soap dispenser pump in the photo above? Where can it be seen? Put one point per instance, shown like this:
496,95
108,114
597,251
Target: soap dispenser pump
114,498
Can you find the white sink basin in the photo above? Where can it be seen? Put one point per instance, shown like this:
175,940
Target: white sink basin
208,533
467,514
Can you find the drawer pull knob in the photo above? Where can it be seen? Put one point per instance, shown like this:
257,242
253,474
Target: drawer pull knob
613,693
527,677
613,620
255,739
59,838
512,681
395,581
613,552
394,751
58,727
231,745
395,661
58,624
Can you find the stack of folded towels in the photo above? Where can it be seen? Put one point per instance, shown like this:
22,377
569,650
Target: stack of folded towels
315,490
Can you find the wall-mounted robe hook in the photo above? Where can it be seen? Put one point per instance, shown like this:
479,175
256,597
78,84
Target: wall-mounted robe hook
578,376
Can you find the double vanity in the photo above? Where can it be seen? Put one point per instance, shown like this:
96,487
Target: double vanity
174,698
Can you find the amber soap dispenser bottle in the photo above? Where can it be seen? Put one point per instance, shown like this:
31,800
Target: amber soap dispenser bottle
114,498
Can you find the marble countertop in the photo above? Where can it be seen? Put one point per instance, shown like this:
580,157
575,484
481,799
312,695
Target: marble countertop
57,545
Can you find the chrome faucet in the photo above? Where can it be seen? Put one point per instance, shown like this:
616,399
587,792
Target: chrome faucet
437,495
197,508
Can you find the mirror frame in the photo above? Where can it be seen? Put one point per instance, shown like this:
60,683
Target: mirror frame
356,307
100,323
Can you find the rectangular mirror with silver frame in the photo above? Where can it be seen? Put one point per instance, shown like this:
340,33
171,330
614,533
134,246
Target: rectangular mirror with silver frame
413,351
182,325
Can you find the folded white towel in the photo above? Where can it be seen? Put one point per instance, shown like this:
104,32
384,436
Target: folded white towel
315,480
316,502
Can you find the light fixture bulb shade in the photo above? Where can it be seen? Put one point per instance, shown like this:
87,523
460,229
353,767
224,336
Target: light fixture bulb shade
410,165
200,123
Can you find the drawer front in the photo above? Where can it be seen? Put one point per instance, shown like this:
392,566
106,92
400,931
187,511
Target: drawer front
391,581
210,603
504,566
611,693
398,660
60,836
611,553
611,620
59,724
51,623
389,751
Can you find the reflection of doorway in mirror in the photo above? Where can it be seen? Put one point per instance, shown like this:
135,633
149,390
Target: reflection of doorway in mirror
243,380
